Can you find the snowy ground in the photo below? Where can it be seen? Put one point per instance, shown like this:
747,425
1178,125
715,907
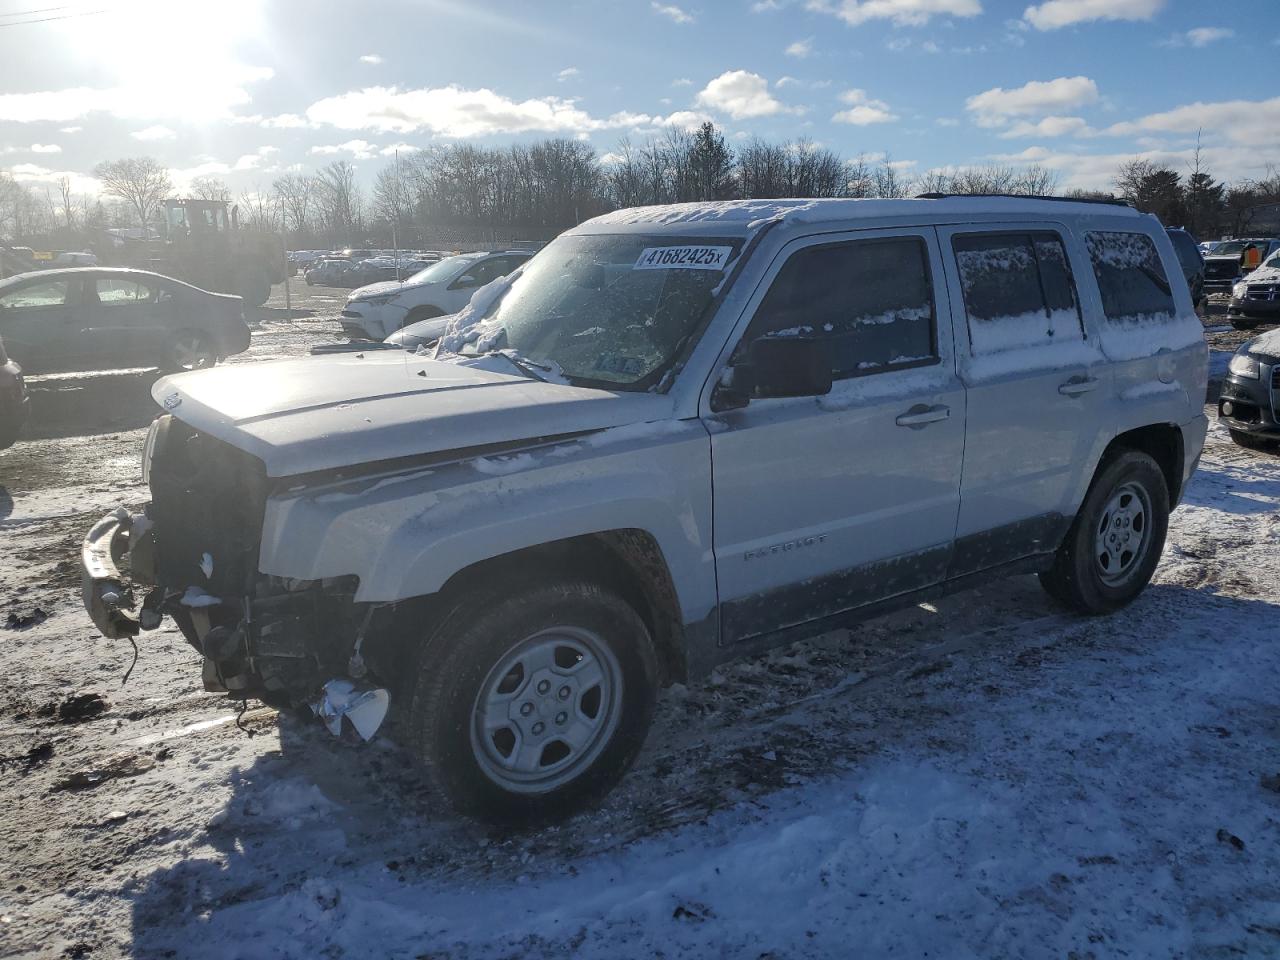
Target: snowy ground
987,777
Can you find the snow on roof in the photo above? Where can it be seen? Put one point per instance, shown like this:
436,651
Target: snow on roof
752,213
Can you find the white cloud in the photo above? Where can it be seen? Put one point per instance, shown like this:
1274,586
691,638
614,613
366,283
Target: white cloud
930,47
1198,37
1048,127
455,112
372,59
285,121
994,107
905,13
682,82
1063,13
863,110
741,94
208,94
359,149
568,73
153,133
684,119
34,173
800,49
45,148
947,122
784,82
1250,123
71,129
1095,171
394,148
671,11
209,167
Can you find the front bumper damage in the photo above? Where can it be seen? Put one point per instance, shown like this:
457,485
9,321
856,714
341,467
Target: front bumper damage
277,645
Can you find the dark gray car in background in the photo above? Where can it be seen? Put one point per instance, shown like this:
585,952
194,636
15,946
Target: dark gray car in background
94,318
1250,398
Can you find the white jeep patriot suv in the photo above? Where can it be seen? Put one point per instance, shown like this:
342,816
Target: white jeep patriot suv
677,435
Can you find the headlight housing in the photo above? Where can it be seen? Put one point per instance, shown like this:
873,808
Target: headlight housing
376,301
1243,365
1240,290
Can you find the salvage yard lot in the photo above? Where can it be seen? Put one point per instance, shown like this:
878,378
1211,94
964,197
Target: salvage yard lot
984,777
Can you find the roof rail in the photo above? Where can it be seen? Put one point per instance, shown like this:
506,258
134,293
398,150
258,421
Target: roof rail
1023,196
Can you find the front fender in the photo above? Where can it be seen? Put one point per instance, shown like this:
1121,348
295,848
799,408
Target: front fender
405,534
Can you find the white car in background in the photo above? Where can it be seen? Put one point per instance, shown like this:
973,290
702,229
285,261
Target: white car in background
378,310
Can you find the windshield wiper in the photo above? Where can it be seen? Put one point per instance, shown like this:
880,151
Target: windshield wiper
520,363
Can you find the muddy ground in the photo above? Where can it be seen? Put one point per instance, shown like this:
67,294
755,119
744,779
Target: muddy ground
144,818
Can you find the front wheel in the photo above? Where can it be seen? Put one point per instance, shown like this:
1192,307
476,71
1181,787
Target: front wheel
190,350
1115,541
531,705
1242,324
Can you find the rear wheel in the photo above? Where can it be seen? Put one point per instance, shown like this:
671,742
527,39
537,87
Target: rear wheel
1114,544
253,286
190,350
530,705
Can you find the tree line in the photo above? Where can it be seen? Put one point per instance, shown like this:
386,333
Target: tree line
464,192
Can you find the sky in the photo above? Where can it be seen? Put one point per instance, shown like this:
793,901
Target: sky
249,89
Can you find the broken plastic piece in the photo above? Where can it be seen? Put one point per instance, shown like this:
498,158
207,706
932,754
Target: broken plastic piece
364,705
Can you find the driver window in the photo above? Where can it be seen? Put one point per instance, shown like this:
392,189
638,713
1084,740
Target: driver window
870,301
49,293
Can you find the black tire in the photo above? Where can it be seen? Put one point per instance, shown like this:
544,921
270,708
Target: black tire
474,640
253,286
1251,441
185,345
421,313
1242,324
1078,577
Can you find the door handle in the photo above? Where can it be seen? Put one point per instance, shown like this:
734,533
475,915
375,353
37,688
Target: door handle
922,416
1077,386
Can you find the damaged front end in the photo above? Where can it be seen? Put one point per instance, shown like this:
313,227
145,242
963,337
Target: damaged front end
195,548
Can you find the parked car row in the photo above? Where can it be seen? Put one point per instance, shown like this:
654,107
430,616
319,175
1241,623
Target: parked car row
674,438
378,310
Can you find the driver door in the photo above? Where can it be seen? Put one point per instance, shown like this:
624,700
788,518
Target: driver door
825,504
39,325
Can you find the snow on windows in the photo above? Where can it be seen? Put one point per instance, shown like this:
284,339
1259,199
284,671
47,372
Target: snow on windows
1018,291
1137,298
871,301
1131,278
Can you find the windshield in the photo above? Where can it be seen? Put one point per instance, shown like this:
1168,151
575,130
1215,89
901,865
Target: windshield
1273,261
611,311
441,270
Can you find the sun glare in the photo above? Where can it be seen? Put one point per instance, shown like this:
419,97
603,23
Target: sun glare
188,58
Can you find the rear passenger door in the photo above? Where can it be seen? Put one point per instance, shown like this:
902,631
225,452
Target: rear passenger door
1036,384
825,504
39,326
122,320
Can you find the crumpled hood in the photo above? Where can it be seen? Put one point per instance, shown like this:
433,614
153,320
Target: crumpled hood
1264,275
325,412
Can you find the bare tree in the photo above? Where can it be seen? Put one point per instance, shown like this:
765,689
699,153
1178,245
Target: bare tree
140,182
339,197
260,209
210,188
295,192
68,205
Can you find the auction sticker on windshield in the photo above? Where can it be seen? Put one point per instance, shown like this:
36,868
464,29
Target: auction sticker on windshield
683,258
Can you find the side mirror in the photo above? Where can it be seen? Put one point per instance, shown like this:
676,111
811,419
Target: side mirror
778,367
466,280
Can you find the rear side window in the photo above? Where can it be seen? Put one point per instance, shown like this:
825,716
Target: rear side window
1188,253
1018,290
1131,278
118,291
871,300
